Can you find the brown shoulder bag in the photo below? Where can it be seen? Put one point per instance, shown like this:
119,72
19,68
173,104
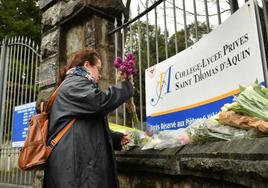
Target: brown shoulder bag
35,151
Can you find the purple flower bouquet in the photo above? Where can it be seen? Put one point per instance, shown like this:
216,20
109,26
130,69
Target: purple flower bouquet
127,69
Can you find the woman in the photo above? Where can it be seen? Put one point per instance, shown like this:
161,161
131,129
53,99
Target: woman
84,157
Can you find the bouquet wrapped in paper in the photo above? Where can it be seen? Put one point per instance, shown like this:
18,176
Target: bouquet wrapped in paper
250,109
136,137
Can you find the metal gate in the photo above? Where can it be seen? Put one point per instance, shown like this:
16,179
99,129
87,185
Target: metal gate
18,85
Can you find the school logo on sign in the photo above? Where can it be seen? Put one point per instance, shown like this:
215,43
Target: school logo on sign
162,85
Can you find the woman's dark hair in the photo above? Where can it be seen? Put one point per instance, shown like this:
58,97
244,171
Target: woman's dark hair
79,58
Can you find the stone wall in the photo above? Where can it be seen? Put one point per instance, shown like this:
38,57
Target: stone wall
152,180
238,163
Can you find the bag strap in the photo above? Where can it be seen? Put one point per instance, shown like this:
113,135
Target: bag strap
66,127
50,101
52,98
61,133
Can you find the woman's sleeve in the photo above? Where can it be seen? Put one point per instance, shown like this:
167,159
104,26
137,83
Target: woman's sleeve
83,99
117,138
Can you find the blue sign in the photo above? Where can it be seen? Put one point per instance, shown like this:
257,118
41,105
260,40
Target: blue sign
22,115
183,118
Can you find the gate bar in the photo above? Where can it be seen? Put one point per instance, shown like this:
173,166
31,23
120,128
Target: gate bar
156,36
175,26
195,21
140,75
165,23
123,57
137,17
207,18
265,10
3,72
147,35
218,11
185,24
12,93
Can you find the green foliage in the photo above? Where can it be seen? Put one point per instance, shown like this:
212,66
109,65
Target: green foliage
253,101
192,37
20,17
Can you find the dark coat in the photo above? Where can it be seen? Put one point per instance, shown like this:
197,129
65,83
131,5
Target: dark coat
84,157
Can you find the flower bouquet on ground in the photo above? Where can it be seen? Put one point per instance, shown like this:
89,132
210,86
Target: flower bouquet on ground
126,70
136,137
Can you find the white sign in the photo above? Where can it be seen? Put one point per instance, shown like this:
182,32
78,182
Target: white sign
198,81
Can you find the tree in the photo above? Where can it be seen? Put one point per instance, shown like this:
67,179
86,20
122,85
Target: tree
20,17
191,39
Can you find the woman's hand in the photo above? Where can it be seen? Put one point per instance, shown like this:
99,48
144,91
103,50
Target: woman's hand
125,140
